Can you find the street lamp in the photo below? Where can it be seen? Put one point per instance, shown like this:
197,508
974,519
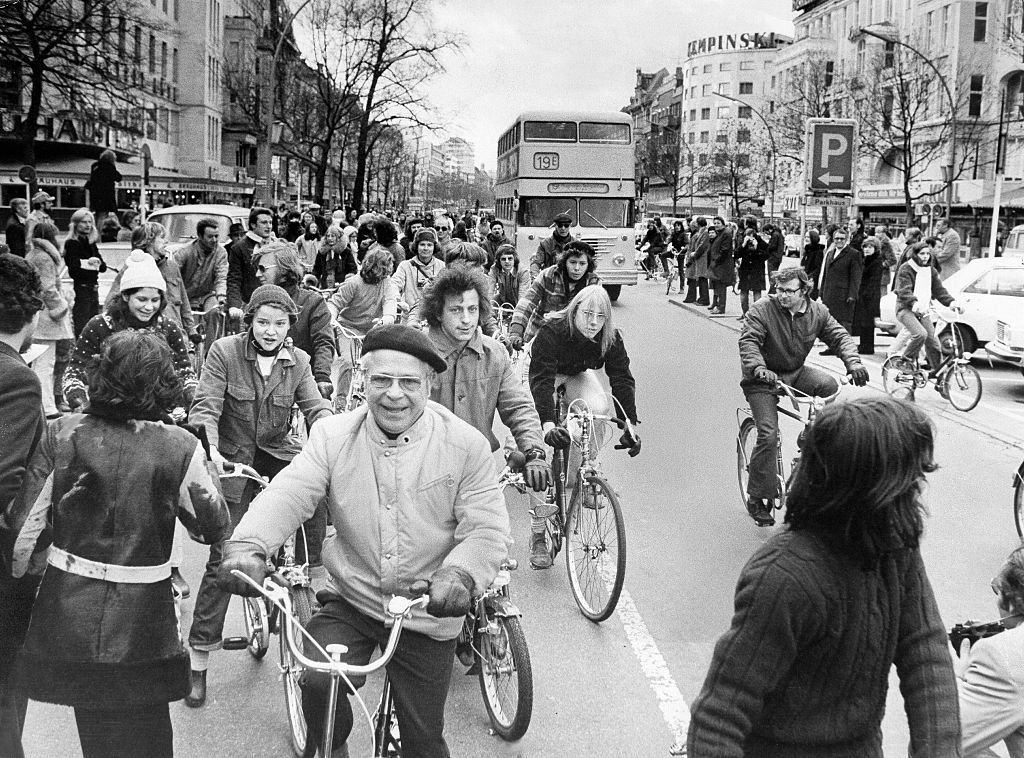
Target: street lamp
771,137
889,34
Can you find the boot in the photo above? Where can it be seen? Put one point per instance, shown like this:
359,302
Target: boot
540,557
196,696
761,511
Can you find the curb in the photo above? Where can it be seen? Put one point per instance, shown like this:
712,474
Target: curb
729,322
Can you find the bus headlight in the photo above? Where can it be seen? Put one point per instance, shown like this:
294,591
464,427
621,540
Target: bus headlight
618,259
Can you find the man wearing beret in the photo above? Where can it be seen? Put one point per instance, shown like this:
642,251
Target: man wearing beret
550,247
413,493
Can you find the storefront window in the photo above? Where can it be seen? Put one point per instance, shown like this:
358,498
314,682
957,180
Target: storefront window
70,197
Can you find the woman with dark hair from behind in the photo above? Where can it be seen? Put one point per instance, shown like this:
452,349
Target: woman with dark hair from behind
825,608
103,636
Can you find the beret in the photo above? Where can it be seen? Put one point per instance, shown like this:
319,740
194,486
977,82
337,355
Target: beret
404,339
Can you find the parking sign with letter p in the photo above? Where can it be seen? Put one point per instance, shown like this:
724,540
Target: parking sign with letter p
831,145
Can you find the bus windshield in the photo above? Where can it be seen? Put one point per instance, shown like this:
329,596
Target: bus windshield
541,211
606,212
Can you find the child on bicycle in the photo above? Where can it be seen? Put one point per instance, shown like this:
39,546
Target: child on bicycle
250,382
96,517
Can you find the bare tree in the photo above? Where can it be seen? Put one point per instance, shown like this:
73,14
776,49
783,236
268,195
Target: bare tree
659,153
737,165
75,56
809,91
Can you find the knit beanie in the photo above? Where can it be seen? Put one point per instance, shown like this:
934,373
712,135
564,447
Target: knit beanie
271,294
505,248
424,235
141,271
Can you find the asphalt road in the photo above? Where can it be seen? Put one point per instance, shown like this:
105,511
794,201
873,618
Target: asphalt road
622,687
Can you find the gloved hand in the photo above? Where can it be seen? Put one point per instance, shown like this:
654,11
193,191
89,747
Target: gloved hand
77,400
326,389
537,474
765,376
956,307
630,443
195,338
451,592
859,376
515,341
188,394
235,314
247,557
558,437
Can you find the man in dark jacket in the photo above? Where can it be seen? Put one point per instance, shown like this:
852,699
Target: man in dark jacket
16,226
495,238
550,247
776,249
839,281
778,334
720,260
21,426
242,279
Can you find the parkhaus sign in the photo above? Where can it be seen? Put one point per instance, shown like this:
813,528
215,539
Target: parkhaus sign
745,41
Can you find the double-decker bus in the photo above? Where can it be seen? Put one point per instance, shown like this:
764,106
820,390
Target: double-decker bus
579,163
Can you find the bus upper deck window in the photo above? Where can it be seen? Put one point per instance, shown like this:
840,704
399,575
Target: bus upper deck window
549,131
610,133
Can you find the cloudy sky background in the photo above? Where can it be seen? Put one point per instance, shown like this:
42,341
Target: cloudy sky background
580,54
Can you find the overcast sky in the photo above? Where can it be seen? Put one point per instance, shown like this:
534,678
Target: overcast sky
582,54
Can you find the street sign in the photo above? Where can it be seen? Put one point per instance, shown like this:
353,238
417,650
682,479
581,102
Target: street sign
831,201
831,162
27,174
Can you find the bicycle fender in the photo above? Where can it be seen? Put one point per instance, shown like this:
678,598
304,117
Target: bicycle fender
502,606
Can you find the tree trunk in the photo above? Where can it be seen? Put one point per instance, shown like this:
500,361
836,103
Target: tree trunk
31,121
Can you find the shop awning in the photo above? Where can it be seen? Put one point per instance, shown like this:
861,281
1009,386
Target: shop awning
73,172
1010,198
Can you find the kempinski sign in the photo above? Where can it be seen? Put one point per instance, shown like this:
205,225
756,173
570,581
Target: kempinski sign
745,41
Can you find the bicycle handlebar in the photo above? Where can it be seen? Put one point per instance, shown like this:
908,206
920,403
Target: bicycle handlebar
798,396
234,470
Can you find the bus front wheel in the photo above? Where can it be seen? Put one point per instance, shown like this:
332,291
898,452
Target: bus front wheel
613,291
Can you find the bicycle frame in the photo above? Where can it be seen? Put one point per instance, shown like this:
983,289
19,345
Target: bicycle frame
356,394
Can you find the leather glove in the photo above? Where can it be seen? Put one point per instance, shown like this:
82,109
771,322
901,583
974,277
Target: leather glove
326,389
765,376
515,341
451,592
630,443
859,376
247,557
537,474
558,438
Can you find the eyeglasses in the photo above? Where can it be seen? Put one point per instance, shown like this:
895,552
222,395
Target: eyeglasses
594,314
787,291
563,224
440,228
263,269
407,384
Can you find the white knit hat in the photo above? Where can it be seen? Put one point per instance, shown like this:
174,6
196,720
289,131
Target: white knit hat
140,270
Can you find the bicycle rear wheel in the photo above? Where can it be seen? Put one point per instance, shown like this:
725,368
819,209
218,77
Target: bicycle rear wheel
302,608
746,438
506,677
898,377
257,626
1018,501
595,553
962,384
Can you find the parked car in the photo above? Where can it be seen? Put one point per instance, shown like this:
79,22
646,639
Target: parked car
1008,344
989,289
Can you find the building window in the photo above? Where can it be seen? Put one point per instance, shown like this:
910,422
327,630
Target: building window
723,111
174,65
724,88
830,70
705,137
163,60
742,135
703,159
707,68
747,88
744,111
722,136
1014,25
122,34
944,33
773,81
743,160
929,22
691,137
705,90
705,114
974,105
746,65
980,21
889,55
152,54
861,48
725,67
138,45
693,114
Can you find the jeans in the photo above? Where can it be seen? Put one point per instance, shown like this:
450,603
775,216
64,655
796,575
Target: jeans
747,297
763,480
126,732
920,331
43,366
420,674
212,602
721,290
87,305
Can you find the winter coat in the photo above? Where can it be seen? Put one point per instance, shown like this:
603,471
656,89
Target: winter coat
14,234
811,261
751,256
203,273
720,258
413,276
358,303
90,343
903,286
655,238
841,284
551,291
697,257
313,332
775,250
101,185
55,320
308,248
108,489
866,309
508,288
241,413
76,250
242,281
547,253
491,243
678,241
330,262
179,309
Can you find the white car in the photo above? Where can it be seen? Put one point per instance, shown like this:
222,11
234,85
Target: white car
1008,344
989,289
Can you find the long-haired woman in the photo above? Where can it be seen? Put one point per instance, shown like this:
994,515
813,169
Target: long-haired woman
85,264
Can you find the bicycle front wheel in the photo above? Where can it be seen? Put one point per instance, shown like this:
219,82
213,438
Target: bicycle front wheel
257,626
962,384
1018,502
898,377
506,677
746,438
291,670
595,554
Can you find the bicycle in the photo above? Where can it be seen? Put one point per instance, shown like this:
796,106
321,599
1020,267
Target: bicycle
589,520
1018,500
955,378
356,394
746,437
386,738
263,618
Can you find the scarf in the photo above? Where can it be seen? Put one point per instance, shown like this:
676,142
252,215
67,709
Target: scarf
261,351
922,286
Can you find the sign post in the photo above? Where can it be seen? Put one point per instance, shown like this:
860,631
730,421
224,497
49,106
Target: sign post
27,174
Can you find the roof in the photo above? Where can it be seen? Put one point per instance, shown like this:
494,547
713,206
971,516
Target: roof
611,117
219,210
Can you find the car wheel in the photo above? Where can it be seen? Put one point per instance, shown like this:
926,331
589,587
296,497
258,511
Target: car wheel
967,339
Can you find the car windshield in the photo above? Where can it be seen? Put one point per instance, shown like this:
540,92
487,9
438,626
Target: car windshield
182,226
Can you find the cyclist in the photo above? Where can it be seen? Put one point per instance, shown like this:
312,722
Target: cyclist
415,273
551,247
241,268
493,240
776,338
413,494
204,267
250,382
553,289
109,486
568,348
917,284
509,283
335,262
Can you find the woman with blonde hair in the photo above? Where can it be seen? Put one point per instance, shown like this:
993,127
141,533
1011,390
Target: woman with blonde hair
85,264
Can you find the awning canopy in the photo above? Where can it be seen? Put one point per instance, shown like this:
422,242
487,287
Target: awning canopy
73,172
1009,198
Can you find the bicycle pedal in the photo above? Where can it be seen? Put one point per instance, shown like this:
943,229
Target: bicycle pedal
544,510
235,643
